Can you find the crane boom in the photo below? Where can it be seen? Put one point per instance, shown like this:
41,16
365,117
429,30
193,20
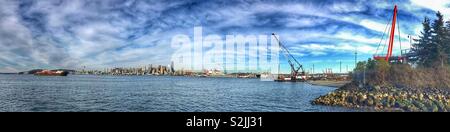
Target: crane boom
388,56
291,59
391,37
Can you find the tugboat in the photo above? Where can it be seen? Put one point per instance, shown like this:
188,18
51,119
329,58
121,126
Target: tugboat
51,73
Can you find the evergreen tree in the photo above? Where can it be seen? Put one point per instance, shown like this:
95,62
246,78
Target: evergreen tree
371,64
439,48
360,66
447,39
422,47
433,47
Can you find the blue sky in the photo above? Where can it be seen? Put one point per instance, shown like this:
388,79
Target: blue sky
116,33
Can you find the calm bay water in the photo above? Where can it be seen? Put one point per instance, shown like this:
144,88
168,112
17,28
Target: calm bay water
156,93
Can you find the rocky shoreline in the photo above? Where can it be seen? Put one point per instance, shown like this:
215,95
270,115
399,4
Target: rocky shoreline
329,83
388,98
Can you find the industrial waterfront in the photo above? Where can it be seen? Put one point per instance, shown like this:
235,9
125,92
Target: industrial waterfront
265,60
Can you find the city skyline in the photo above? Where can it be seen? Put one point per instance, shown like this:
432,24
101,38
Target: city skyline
127,33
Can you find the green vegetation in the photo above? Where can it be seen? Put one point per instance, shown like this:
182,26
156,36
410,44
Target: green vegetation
381,73
422,84
427,68
433,47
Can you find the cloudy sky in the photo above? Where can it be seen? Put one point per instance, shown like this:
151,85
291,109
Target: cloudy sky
115,33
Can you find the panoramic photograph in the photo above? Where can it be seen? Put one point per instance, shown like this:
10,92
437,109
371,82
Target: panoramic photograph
225,56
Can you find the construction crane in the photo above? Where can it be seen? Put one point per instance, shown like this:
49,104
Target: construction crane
295,65
388,56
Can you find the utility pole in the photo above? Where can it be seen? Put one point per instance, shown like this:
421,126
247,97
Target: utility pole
356,56
410,43
313,69
347,69
364,75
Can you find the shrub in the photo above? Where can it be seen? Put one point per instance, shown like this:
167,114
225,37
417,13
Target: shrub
405,76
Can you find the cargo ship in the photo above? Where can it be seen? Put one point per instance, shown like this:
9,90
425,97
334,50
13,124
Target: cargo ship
51,73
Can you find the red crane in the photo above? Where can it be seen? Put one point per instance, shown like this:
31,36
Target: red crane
387,57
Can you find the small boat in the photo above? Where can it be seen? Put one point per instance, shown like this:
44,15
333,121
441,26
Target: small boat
267,77
51,73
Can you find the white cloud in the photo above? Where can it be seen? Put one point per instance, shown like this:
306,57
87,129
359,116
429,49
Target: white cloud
357,38
304,22
317,53
96,33
374,25
20,50
436,5
345,7
322,49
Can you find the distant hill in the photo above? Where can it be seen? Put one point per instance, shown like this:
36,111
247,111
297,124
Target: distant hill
8,73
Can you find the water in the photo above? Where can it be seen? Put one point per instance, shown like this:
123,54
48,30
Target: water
155,94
